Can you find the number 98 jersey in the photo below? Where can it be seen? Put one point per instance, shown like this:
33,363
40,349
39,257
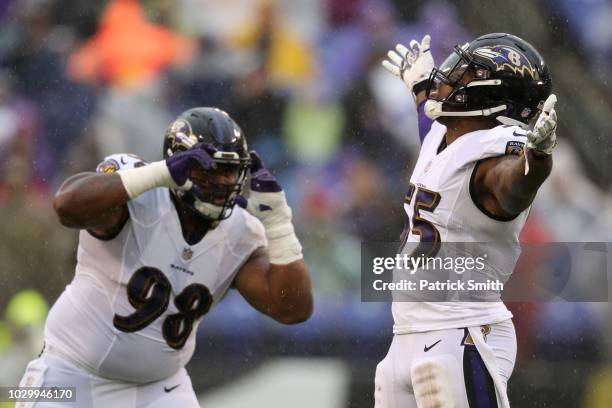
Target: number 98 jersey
132,309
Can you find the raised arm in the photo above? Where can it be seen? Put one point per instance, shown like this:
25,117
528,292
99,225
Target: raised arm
276,282
92,201
98,201
501,186
424,121
507,185
413,66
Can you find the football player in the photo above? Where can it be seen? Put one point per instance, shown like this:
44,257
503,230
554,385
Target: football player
481,162
160,245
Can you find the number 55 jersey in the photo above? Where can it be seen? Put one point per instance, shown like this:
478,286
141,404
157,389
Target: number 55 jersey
440,208
131,312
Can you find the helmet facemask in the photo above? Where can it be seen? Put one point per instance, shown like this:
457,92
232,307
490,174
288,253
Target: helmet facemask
460,102
212,200
211,196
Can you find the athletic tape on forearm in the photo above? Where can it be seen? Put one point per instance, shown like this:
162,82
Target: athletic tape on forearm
138,180
283,245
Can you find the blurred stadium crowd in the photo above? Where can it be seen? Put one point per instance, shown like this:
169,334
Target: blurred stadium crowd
80,80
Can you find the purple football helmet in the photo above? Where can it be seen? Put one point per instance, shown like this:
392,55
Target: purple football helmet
216,132
510,81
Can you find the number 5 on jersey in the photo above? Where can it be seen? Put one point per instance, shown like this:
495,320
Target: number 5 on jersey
424,200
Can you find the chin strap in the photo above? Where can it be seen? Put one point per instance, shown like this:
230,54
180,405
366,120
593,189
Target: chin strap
197,207
208,210
433,110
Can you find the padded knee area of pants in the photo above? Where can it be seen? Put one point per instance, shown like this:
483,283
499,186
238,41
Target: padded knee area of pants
431,381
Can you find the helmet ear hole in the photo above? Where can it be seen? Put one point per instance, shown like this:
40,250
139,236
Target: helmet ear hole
460,98
481,73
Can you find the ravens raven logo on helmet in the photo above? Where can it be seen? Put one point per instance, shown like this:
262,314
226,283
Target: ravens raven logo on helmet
505,57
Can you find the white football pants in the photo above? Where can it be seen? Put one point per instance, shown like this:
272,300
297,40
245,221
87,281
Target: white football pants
453,368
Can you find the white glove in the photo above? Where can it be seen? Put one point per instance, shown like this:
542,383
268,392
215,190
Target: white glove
412,65
543,137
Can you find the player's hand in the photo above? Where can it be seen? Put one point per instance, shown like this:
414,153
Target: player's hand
181,163
266,200
413,65
543,138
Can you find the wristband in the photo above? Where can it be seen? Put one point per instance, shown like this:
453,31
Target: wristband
283,245
138,180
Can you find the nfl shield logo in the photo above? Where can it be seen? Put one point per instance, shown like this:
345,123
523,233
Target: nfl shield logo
187,254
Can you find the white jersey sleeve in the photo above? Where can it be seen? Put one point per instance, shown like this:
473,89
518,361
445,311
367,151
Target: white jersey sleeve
132,310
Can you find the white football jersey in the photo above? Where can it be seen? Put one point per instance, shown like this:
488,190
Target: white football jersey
440,190
132,310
